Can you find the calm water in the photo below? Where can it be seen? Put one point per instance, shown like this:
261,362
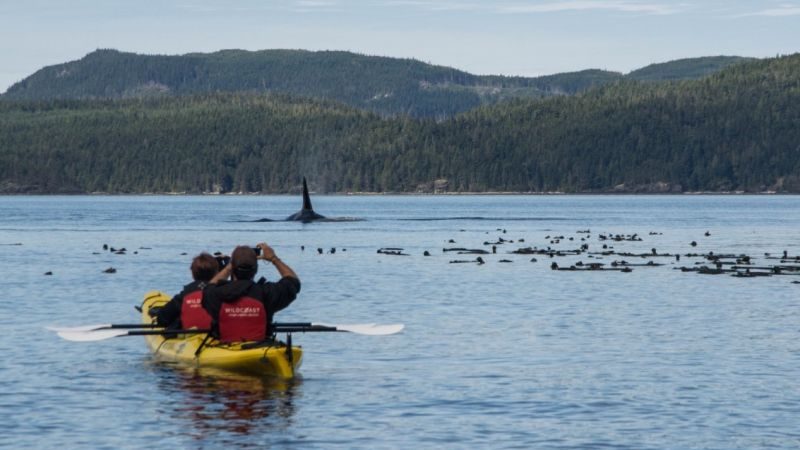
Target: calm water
503,355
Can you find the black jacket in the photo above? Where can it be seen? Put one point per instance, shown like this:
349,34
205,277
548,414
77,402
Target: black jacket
275,296
170,314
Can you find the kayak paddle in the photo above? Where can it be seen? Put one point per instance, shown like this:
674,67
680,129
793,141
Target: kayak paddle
103,326
103,334
90,333
370,329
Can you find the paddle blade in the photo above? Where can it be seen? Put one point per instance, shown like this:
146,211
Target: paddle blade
370,329
90,335
102,326
80,328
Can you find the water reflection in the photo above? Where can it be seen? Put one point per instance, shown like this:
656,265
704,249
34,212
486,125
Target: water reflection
216,402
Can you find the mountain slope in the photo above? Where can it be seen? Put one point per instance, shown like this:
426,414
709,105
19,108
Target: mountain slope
685,69
384,85
388,86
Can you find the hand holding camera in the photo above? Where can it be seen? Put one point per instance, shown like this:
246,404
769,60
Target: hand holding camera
262,251
266,252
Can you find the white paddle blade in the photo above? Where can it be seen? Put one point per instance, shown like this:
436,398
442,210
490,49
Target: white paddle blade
371,329
91,335
80,328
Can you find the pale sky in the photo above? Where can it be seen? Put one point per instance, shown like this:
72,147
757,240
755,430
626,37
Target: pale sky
509,37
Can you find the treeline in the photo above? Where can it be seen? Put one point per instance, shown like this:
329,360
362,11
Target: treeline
736,130
388,86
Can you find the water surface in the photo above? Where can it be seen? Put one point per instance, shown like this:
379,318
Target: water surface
500,355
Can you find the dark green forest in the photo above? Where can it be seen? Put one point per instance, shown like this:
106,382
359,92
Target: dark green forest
388,86
685,69
735,130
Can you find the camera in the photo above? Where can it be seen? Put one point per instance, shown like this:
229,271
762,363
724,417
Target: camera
222,261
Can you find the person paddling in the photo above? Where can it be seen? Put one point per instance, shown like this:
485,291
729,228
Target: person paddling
185,310
242,309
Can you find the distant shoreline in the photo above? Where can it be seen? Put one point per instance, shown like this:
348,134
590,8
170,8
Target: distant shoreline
372,194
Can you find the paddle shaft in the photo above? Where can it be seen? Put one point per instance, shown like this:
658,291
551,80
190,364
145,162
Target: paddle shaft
133,326
159,332
300,328
278,328
303,329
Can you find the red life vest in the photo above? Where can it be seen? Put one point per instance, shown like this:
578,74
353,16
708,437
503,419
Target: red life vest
244,319
193,315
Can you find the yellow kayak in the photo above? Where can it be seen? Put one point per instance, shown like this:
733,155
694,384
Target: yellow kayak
268,359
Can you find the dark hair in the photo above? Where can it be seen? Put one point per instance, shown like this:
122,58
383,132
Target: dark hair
244,263
204,267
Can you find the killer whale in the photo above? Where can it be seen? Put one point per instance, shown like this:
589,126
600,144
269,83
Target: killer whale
306,213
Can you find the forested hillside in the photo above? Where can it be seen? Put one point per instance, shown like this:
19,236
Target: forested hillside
685,69
388,86
385,85
736,130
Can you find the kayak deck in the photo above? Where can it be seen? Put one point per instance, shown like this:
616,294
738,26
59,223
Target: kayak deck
266,359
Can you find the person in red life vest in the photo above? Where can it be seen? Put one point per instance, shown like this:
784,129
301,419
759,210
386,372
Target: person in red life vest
242,309
185,310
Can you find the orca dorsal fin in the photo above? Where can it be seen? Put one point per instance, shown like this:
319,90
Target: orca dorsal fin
306,213
306,197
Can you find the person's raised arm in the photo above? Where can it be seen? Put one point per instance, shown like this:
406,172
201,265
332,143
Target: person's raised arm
222,274
268,254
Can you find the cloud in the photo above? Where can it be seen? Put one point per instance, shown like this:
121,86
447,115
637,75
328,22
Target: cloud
259,6
315,3
455,5
589,5
313,6
784,10
530,7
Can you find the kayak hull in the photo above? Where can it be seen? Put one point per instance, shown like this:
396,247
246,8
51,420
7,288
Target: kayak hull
272,359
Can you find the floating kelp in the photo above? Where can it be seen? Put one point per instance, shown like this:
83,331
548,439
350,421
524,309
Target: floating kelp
627,264
392,251
620,237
